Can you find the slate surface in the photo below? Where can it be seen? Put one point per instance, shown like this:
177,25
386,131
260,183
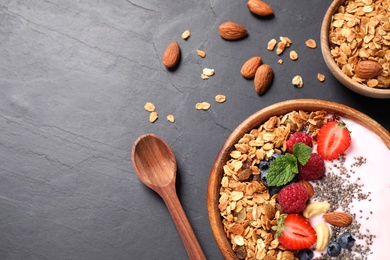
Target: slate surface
74,78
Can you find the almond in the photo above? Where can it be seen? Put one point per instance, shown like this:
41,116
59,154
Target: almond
339,219
368,69
260,8
248,69
232,31
308,186
263,78
171,55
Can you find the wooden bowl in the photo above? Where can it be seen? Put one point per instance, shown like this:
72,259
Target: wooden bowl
254,121
334,68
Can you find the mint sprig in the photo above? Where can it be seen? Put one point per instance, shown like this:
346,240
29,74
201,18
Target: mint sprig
284,168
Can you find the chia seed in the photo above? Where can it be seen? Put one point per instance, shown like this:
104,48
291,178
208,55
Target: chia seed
339,189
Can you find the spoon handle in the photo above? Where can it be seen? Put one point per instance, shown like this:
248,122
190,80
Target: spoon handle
179,217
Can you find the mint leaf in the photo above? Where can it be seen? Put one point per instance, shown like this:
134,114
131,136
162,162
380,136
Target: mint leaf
302,152
282,170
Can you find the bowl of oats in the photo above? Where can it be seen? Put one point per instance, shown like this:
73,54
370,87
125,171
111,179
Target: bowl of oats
292,182
355,43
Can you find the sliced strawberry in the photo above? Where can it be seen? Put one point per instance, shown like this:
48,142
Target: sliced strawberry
296,233
333,139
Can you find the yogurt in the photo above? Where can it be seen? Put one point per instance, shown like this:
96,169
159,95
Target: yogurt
364,166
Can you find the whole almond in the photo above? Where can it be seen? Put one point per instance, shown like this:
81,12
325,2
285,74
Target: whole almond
368,69
308,186
248,69
339,219
263,78
260,8
232,31
171,55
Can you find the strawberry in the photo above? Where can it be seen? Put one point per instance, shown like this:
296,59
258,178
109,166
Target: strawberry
295,233
332,140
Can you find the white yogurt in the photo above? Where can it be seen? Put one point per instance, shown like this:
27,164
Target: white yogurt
373,214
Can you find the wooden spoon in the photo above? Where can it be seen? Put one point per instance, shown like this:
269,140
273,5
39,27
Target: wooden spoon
155,165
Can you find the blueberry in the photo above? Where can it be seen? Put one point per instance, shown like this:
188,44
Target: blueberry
334,249
263,176
346,240
305,254
274,189
264,165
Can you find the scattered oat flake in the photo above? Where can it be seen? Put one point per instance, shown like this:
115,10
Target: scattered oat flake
293,55
202,106
271,44
149,107
186,34
287,41
297,81
321,77
280,48
201,53
220,98
311,43
153,117
280,61
208,72
203,76
170,118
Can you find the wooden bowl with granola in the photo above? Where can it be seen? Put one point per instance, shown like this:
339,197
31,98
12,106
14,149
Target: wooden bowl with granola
355,44
243,211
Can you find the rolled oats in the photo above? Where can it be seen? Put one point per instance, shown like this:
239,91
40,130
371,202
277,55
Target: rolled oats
149,107
311,43
170,118
153,116
220,98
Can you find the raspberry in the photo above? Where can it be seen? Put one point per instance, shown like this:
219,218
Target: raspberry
292,198
298,137
313,170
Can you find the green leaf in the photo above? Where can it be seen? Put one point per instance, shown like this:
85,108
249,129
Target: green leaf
302,152
282,170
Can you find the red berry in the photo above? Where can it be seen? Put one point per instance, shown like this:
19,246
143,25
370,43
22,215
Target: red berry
296,233
298,137
333,139
293,197
313,170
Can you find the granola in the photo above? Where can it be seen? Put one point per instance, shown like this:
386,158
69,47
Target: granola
360,30
247,208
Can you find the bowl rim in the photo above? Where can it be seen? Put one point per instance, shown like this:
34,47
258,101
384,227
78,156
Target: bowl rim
255,120
334,68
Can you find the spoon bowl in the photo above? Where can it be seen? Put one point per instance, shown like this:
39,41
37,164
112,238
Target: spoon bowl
155,165
154,162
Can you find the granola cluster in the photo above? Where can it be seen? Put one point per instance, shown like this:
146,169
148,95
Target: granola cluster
360,30
248,210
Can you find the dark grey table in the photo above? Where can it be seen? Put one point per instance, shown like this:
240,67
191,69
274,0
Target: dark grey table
74,78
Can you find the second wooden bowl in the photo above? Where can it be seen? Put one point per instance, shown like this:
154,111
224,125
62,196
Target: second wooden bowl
333,67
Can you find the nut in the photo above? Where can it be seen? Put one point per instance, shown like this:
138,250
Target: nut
323,236
248,69
315,208
297,81
232,31
260,8
308,186
263,78
339,219
368,69
171,55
